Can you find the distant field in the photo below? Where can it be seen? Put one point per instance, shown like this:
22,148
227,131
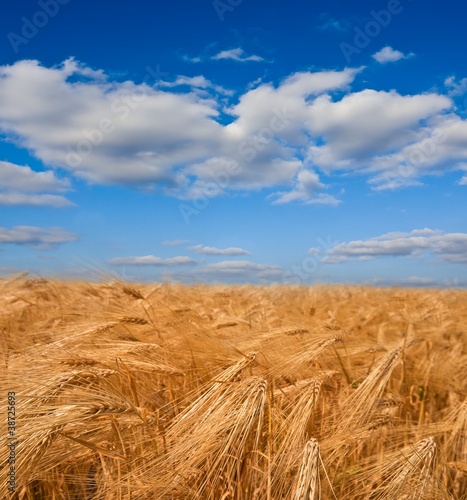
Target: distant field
214,392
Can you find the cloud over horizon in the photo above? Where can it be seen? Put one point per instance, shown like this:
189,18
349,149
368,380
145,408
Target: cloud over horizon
235,270
201,249
39,238
152,260
449,247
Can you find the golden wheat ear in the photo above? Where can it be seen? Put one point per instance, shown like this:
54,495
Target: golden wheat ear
412,473
307,485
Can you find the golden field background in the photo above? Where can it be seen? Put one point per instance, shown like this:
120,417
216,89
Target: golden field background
234,392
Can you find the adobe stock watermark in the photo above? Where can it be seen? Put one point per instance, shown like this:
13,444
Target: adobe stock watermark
223,6
48,9
249,150
301,273
363,36
120,108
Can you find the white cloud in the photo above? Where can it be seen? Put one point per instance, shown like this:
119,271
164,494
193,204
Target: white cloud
237,54
285,108
41,238
153,130
35,200
279,136
264,170
449,247
175,242
456,88
333,259
388,54
306,187
233,271
19,185
219,251
438,147
418,281
24,179
390,181
228,271
197,82
152,260
411,281
353,137
192,59
73,67
241,267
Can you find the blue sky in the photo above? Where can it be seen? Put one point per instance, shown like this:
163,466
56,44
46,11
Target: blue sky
235,141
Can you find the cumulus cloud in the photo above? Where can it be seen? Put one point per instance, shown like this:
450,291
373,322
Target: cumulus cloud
219,251
23,178
306,187
171,137
19,185
119,133
152,260
388,54
354,139
40,238
438,147
449,247
284,108
237,54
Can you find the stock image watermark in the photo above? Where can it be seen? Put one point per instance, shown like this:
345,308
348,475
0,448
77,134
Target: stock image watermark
300,274
221,7
120,108
31,26
249,150
364,35
11,441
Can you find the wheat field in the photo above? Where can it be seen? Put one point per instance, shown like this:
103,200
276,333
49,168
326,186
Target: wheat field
165,391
